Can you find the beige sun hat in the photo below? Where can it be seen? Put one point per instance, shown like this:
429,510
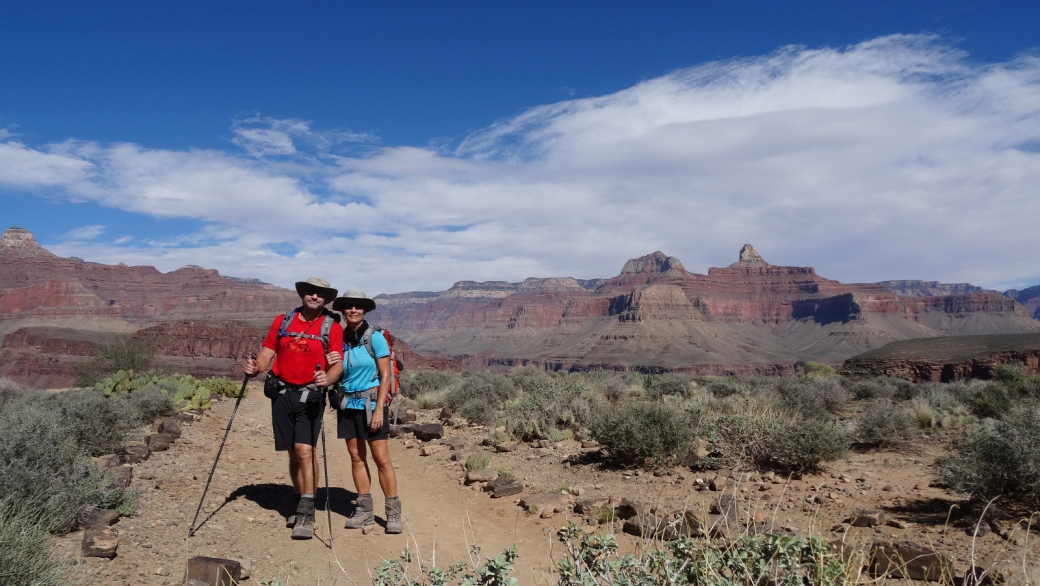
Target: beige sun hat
327,292
354,296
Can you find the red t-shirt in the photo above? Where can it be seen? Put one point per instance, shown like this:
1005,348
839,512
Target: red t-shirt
295,357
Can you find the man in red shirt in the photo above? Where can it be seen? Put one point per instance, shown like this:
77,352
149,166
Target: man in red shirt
298,342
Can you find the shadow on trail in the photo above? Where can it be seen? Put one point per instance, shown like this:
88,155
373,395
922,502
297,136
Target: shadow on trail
281,499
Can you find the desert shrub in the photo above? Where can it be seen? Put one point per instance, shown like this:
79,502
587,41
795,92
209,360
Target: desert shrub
726,387
528,379
540,412
872,388
751,559
883,424
998,458
123,353
150,403
812,397
478,461
479,396
668,386
817,370
98,424
25,558
991,400
614,388
421,382
804,444
643,433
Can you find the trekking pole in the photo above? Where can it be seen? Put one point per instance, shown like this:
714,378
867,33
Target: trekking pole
241,393
325,463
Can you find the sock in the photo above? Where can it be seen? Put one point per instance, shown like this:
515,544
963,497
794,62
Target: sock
306,505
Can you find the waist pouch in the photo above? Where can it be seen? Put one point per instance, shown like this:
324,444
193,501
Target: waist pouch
274,386
361,400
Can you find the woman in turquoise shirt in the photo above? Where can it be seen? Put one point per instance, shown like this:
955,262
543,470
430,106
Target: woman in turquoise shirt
363,420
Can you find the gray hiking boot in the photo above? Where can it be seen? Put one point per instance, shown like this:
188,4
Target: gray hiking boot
290,521
304,527
393,515
363,514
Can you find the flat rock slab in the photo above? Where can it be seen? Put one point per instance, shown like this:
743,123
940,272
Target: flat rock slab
455,444
591,506
100,542
406,417
171,426
485,475
501,487
507,447
108,461
159,442
867,518
428,431
137,453
99,518
542,500
908,559
119,477
431,449
213,571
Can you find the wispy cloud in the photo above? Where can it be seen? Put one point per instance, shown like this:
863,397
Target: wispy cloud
86,232
895,158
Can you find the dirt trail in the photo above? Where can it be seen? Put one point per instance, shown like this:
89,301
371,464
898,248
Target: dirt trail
244,514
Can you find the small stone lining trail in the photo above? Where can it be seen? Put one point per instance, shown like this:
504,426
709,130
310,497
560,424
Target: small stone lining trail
244,514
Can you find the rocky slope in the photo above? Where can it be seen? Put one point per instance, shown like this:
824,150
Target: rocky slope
656,316
947,359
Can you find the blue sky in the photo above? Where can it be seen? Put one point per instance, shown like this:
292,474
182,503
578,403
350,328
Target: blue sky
407,145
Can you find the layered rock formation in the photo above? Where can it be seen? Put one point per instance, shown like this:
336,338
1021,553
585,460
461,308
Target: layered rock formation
1029,298
38,288
947,359
656,316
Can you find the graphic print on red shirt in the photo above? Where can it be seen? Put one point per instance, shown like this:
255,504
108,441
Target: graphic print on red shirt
295,357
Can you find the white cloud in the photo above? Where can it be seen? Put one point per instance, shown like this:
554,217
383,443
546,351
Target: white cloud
894,158
86,232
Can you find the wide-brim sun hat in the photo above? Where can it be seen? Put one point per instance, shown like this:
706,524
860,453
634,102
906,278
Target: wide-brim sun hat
352,296
327,291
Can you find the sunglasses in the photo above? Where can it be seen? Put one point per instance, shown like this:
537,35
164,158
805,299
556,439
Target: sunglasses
315,292
353,306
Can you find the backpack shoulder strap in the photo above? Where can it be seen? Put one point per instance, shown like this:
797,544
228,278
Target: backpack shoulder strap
326,327
284,328
367,339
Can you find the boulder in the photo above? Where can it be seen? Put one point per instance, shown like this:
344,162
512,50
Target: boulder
405,416
184,417
908,559
108,461
507,447
445,414
119,477
171,426
137,453
629,508
867,518
213,571
647,525
503,486
431,449
719,483
98,518
484,475
591,506
428,431
542,500
455,444
159,442
100,542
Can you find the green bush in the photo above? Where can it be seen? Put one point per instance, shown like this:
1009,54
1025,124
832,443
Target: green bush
421,382
221,385
804,444
812,397
874,388
726,387
817,370
991,400
883,424
998,459
668,386
478,461
25,558
123,381
643,433
124,353
544,412
479,396
614,388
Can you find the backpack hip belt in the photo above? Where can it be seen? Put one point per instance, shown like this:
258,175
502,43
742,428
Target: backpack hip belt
370,395
283,386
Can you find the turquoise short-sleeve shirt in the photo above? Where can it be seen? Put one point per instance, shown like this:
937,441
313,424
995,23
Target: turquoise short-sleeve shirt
359,369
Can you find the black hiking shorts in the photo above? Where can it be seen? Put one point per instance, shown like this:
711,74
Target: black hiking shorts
351,424
295,422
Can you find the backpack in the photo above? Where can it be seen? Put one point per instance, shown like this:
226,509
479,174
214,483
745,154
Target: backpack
395,364
326,326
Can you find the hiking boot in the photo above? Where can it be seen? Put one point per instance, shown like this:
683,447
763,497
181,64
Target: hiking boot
290,521
304,528
363,514
394,524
